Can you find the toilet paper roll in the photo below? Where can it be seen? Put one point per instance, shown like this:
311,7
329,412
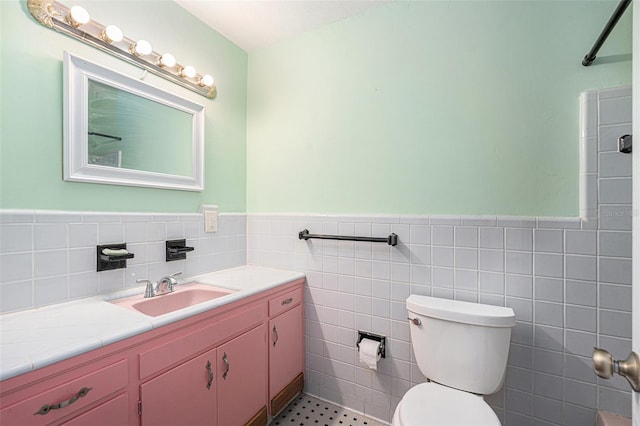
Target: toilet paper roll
369,355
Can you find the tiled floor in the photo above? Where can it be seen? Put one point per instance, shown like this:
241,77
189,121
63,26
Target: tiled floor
306,410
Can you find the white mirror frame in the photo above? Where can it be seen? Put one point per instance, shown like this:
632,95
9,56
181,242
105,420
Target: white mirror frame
77,73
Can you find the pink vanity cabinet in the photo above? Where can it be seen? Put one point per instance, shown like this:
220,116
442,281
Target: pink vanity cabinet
219,367
231,377
286,354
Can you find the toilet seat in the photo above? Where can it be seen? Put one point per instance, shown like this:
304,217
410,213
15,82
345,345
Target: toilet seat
431,404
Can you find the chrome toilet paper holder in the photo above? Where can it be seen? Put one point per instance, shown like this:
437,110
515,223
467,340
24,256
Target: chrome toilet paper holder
376,337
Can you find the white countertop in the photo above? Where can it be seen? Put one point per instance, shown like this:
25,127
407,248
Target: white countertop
39,337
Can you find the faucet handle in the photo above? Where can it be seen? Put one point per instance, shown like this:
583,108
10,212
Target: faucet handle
166,284
172,280
149,291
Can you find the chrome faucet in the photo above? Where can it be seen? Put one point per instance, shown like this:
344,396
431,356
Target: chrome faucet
163,286
166,284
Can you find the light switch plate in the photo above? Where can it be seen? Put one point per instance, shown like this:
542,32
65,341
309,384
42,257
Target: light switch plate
210,213
211,221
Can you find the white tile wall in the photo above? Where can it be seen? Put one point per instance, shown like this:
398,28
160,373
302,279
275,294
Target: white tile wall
50,257
605,184
567,299
567,279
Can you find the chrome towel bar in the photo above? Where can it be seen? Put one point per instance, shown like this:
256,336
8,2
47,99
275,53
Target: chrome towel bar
392,239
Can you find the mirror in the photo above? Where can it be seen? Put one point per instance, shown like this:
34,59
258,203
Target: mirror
122,131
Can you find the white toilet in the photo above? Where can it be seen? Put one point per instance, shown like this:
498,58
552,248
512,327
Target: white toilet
462,349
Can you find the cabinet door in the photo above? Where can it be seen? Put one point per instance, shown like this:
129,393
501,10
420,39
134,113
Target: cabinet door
286,349
242,377
185,395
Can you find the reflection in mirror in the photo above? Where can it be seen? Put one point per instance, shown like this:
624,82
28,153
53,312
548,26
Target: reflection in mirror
133,132
122,131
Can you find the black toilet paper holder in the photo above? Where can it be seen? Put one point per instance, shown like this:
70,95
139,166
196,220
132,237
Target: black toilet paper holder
376,337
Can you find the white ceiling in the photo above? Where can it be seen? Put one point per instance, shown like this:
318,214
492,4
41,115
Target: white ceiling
252,24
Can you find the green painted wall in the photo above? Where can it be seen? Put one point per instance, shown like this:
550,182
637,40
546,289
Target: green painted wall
31,108
450,107
413,107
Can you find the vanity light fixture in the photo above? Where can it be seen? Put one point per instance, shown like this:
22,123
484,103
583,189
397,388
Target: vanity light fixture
167,60
141,48
206,80
187,71
111,34
78,16
77,23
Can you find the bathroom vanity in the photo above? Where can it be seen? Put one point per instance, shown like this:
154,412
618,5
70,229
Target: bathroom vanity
236,362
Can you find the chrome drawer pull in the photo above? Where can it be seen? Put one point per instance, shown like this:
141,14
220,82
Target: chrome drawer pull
48,407
287,301
275,336
210,370
226,363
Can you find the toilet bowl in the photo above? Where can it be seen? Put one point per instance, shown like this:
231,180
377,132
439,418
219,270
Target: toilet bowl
437,405
462,348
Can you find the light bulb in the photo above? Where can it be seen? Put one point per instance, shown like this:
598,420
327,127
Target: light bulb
111,34
78,16
167,60
141,48
206,80
188,71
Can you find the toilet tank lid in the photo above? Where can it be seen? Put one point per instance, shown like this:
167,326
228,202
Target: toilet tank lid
462,312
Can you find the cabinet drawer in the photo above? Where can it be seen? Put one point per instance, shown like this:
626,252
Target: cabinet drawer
113,412
285,302
68,397
222,329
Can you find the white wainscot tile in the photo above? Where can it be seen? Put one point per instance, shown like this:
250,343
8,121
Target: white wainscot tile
519,286
50,290
580,242
442,235
50,263
581,267
492,238
615,191
466,236
615,244
614,270
519,239
614,164
83,235
16,296
15,267
615,110
15,237
83,285
82,260
49,236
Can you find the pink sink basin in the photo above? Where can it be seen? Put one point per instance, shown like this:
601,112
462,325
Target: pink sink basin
182,297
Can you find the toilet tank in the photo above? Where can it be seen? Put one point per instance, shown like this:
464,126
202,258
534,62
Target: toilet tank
461,344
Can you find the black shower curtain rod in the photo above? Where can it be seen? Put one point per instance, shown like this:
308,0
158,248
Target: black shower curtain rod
617,14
